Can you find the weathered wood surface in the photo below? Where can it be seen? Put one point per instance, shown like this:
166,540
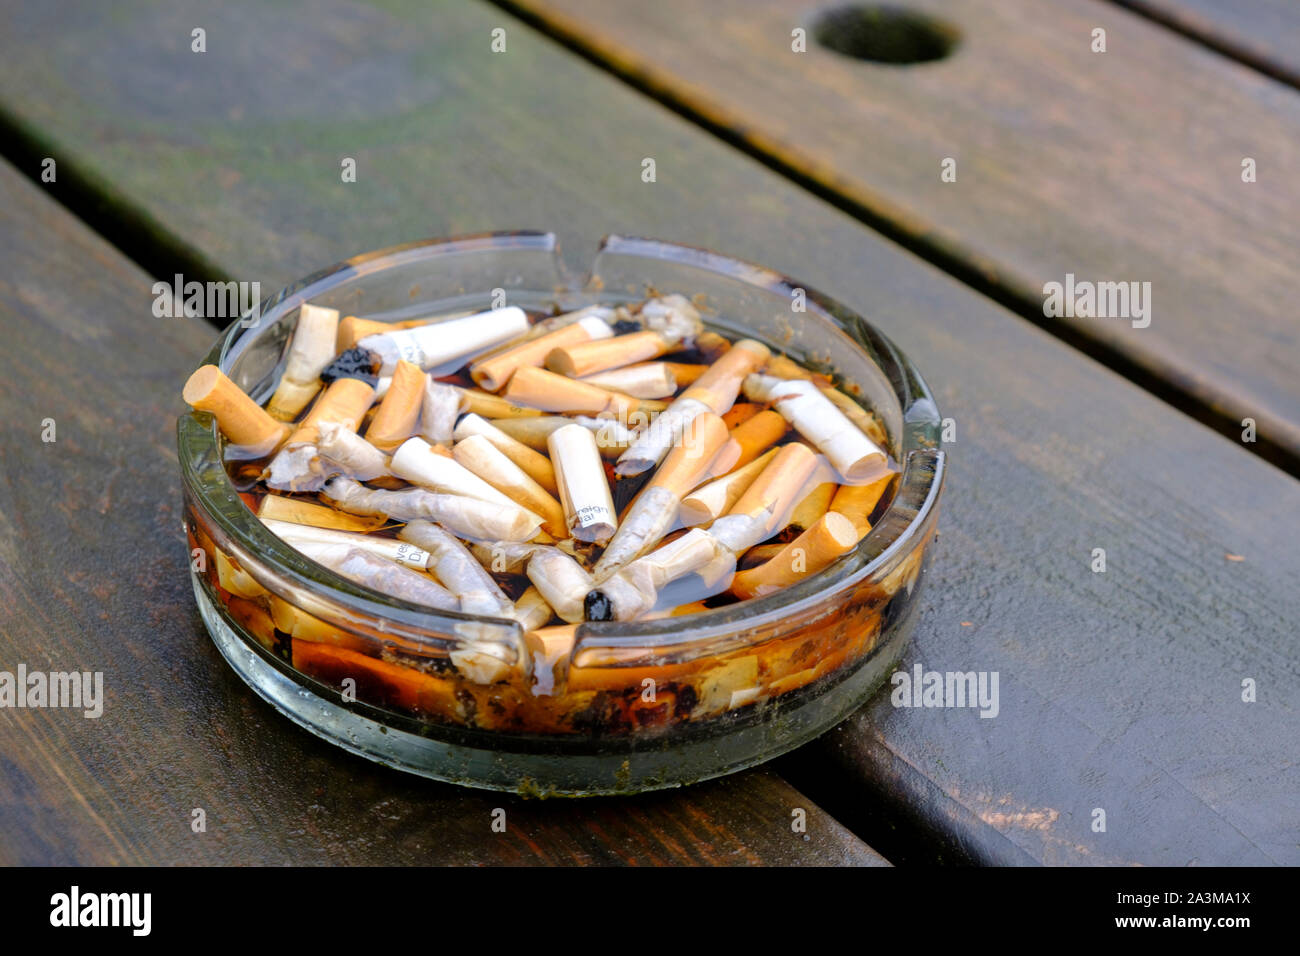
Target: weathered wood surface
1118,690
1116,166
93,578
1265,34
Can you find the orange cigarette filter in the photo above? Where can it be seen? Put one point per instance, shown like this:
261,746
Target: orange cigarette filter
776,488
538,388
719,386
740,413
494,372
352,329
299,511
856,502
829,538
813,505
685,373
694,458
588,358
240,419
399,411
488,405
345,401
759,433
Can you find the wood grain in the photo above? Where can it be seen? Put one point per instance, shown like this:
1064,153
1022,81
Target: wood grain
1122,166
92,578
1118,690
1264,34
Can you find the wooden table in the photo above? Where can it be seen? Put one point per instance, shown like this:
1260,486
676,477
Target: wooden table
1120,690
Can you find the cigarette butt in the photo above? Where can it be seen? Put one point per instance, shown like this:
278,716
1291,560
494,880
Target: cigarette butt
741,412
692,458
531,610
823,424
760,554
240,418
344,402
235,579
439,410
464,517
477,454
417,462
785,367
390,548
830,537
857,502
758,434
715,499
435,344
310,352
711,345
352,330
280,508
587,358
492,373
493,406
719,386
398,413
775,491
351,453
370,570
685,373
584,489
538,388
534,464
812,506
612,437
551,648
648,380
304,627
562,581
858,415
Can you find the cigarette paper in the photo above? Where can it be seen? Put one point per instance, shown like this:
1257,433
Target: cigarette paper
350,454
418,463
713,500
561,580
399,551
353,329
493,372
279,508
378,573
765,506
534,464
395,420
492,406
715,391
503,557
758,434
817,419
655,509
588,358
827,539
531,610
240,419
478,455
650,380
458,570
466,517
310,351
584,489
634,590
538,388
440,407
429,346
857,502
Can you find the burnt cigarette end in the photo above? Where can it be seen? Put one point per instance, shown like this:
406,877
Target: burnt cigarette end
354,363
597,607
625,327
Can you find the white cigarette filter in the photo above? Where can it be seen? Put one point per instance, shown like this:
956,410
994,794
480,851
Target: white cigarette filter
816,418
418,463
561,580
493,372
458,570
439,409
478,455
714,391
465,517
584,489
350,454
430,346
399,551
380,574
634,590
648,380
310,352
534,464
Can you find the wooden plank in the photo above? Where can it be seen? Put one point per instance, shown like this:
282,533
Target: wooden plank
1118,690
1122,166
92,578
1264,34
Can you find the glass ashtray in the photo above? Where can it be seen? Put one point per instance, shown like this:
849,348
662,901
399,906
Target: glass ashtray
636,705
